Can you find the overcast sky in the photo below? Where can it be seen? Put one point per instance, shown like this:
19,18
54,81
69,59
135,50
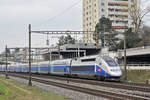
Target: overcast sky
15,15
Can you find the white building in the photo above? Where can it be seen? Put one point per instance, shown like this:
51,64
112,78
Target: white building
116,10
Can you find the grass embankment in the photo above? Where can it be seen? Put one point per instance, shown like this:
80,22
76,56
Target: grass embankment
138,75
15,91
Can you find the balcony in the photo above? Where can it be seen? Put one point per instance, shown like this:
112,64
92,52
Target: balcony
118,4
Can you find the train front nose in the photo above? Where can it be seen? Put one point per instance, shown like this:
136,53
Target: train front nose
116,72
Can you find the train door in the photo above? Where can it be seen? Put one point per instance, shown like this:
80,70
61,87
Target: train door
70,67
67,69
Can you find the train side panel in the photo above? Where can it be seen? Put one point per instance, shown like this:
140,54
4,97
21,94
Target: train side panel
83,70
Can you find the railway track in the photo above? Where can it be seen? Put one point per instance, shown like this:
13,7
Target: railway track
101,93
127,86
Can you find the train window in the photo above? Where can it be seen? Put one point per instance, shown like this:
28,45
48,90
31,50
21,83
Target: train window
111,63
86,60
82,68
44,65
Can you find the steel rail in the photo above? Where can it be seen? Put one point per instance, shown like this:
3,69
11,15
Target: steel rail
127,86
100,93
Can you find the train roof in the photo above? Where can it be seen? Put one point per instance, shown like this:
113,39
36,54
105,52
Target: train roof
107,58
92,56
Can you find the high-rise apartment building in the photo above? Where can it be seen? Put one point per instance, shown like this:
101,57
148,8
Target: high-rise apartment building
116,10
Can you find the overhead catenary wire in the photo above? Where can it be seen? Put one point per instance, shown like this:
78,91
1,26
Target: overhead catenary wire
59,14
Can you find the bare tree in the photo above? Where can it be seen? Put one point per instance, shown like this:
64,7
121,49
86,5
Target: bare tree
66,40
137,12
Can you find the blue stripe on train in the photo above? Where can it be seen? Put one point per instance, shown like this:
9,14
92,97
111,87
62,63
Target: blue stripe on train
65,69
100,71
84,69
43,69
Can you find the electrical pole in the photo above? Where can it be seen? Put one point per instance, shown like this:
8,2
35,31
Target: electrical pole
48,48
6,71
30,83
59,50
78,49
49,53
77,45
125,63
97,39
104,37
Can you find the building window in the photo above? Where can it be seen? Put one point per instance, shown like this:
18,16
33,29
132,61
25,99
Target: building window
102,10
102,3
103,15
133,23
84,9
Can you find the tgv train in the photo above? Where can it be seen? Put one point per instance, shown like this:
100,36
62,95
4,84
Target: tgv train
99,67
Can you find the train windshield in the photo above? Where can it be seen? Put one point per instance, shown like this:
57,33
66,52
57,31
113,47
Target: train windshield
110,61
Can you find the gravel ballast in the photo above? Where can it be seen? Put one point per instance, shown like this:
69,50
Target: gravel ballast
73,95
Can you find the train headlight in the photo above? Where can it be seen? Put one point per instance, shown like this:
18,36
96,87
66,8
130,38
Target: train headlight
114,70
